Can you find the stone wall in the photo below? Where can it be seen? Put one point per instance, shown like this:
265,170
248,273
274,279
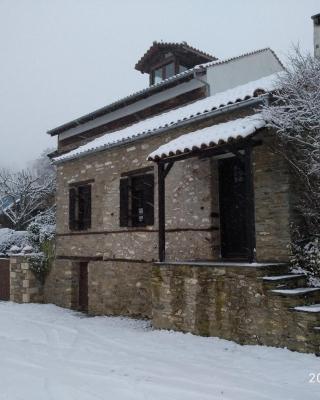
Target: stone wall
61,285
24,286
230,302
192,220
273,211
120,288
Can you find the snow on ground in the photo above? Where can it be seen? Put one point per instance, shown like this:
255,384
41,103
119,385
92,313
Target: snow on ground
56,354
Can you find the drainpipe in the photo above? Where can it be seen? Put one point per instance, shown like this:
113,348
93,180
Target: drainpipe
202,81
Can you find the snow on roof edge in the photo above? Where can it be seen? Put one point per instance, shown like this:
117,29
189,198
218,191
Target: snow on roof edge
172,117
65,126
210,136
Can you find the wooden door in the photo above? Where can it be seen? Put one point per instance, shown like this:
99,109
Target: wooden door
4,279
83,286
233,208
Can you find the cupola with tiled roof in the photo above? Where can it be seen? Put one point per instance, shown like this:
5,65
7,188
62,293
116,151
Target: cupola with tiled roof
164,60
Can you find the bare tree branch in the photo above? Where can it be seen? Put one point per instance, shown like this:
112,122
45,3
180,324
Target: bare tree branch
27,192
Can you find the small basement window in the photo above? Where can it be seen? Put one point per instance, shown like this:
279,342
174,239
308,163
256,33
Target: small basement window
80,207
137,200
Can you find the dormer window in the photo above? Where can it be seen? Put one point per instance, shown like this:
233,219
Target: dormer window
164,60
163,72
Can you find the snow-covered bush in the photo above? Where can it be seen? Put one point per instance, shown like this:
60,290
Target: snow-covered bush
41,237
10,239
42,228
306,259
294,113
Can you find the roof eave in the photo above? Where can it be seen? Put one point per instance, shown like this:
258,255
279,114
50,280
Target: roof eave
121,103
149,91
156,46
242,104
222,144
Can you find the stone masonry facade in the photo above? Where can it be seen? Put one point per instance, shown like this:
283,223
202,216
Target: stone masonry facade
121,259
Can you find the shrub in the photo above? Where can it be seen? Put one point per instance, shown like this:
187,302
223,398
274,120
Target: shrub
306,259
12,239
41,236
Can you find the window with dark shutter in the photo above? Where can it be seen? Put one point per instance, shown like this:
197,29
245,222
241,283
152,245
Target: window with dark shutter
84,193
137,200
72,208
124,202
80,207
148,185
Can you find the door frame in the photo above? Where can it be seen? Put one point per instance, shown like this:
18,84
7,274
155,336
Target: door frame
83,288
246,158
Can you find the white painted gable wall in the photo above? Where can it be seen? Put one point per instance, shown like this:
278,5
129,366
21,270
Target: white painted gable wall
242,70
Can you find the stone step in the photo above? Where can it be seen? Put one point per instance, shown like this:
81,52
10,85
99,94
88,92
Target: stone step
302,296
313,308
296,291
309,313
274,269
289,281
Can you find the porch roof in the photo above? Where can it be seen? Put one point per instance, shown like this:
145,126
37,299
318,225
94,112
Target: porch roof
210,137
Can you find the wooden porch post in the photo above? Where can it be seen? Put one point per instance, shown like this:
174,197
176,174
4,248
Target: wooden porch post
250,217
161,212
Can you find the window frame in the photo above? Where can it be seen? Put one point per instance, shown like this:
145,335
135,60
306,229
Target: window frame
162,65
80,206
126,217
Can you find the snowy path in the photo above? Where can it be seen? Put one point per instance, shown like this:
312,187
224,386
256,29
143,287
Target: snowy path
48,353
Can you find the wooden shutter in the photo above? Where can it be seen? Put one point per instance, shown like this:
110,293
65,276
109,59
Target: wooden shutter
84,207
148,185
124,202
72,209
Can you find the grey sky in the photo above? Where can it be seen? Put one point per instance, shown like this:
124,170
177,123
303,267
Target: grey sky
63,58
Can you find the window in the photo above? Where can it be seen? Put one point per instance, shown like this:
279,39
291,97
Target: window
169,70
182,68
80,207
157,75
137,200
163,72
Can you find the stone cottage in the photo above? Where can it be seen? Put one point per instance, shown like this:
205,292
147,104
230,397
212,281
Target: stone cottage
173,204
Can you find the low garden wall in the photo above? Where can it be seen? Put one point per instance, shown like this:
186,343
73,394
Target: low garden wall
24,286
230,302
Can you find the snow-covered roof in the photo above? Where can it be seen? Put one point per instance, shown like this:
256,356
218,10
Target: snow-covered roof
150,89
209,137
194,55
171,118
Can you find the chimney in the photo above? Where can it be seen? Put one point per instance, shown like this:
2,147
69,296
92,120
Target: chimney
316,34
